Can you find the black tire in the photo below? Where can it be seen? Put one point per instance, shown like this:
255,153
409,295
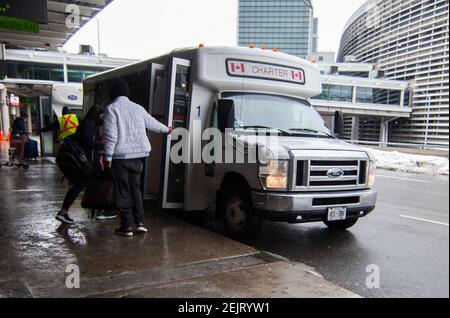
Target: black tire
239,221
340,225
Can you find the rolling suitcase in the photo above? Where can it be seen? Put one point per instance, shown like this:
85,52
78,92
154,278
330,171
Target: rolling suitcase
99,193
31,149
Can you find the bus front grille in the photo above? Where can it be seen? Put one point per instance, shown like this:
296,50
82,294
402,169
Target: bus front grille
329,175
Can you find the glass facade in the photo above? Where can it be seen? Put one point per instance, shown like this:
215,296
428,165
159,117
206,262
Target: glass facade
336,92
77,74
50,72
377,96
365,95
282,24
35,71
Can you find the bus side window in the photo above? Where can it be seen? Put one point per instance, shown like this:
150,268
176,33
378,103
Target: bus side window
159,96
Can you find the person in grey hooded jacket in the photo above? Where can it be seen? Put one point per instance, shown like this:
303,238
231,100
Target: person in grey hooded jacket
126,145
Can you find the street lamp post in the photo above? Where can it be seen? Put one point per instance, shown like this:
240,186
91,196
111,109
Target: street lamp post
98,35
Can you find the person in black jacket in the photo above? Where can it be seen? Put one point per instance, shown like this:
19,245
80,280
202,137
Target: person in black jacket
19,126
19,135
88,138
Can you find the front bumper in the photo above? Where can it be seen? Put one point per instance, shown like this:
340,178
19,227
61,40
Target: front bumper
312,206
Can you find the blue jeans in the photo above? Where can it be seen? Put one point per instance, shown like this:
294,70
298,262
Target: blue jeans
127,185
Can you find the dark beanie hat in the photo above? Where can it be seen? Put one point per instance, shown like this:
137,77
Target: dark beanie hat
66,111
119,88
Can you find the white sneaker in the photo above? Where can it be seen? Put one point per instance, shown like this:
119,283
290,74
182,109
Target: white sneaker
106,215
141,229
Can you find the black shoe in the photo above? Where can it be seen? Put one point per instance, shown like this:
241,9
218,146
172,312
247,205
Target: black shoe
64,218
106,215
121,231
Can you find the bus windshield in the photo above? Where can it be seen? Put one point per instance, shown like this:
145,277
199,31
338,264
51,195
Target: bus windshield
270,112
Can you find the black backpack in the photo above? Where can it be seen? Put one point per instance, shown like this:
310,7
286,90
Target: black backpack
73,162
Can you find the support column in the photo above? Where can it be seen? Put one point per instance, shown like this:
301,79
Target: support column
355,128
4,110
66,75
402,98
383,132
29,121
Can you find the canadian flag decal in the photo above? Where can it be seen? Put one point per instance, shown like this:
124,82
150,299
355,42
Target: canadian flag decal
297,76
238,68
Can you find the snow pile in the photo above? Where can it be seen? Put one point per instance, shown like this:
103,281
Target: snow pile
410,163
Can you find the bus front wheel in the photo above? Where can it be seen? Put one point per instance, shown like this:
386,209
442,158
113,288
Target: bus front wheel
236,211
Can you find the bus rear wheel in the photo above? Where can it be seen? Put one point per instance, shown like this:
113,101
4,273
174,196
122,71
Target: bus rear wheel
236,211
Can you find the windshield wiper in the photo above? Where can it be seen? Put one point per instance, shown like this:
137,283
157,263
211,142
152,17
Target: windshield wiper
309,130
265,127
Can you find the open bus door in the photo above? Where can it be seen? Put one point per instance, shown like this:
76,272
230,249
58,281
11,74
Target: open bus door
169,103
157,108
173,182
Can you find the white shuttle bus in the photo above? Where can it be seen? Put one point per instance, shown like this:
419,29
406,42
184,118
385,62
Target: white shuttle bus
305,173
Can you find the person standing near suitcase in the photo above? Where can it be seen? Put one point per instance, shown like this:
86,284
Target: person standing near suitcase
87,137
126,147
19,136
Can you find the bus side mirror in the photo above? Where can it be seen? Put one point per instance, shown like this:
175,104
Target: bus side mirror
225,114
338,123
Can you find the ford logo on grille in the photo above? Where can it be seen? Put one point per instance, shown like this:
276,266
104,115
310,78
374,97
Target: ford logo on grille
335,173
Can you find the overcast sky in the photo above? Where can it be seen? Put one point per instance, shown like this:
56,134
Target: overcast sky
145,28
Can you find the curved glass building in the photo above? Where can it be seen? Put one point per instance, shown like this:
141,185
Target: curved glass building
282,24
407,40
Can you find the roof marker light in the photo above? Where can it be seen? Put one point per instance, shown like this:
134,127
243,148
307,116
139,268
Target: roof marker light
252,46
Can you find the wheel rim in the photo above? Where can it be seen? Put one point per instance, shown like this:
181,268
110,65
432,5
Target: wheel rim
236,214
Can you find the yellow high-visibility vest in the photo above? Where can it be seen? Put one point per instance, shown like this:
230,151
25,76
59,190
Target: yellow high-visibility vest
68,125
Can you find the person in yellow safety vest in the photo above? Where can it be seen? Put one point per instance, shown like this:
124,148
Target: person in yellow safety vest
66,125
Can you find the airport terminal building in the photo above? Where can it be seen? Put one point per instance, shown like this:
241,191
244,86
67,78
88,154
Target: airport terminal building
408,40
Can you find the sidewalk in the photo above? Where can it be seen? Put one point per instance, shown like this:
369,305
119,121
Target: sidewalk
175,259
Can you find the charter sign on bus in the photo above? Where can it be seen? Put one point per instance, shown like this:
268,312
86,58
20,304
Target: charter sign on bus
274,72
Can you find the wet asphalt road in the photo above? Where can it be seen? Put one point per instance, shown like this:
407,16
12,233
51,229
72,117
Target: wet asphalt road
412,255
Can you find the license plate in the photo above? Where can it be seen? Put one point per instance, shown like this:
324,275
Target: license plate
337,214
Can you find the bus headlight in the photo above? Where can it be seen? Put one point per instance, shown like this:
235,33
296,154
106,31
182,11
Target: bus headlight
372,170
274,174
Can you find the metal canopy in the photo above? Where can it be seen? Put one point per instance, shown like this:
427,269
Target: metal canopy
55,33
